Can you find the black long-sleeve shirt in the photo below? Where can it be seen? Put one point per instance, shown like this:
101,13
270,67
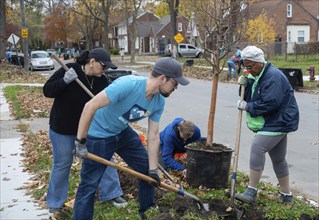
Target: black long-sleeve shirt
69,99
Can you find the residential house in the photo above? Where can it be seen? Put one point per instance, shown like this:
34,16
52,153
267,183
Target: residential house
297,21
153,33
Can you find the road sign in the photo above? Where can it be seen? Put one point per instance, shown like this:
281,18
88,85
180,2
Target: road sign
13,39
178,38
24,33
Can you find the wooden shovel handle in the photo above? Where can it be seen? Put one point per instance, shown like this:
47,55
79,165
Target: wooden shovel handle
130,171
77,80
240,113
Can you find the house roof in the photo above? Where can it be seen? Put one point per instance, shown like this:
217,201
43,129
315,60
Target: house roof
144,27
310,6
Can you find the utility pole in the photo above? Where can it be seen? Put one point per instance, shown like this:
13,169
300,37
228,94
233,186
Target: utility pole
24,39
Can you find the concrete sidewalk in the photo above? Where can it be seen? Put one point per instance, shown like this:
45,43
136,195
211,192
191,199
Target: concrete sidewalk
14,203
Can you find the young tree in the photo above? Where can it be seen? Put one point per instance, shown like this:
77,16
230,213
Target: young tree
219,23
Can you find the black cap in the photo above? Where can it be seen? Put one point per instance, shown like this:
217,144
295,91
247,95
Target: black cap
169,67
102,55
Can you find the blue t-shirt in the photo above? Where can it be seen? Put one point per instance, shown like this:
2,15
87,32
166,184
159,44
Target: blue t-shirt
128,104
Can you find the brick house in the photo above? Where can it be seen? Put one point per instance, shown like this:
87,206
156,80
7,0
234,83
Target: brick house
153,33
297,21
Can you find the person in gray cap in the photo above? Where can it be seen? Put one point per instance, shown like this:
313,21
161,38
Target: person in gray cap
104,129
271,112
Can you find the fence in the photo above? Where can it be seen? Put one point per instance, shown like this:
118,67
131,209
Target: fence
290,51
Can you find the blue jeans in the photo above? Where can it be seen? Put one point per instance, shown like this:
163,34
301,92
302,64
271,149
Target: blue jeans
129,147
62,147
110,187
231,65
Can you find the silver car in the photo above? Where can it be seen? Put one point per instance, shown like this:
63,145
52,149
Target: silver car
185,50
40,60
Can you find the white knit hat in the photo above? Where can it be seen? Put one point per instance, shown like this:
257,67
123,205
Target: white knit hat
253,53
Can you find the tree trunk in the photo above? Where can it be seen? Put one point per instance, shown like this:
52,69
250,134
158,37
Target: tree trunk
133,39
173,8
106,23
211,118
3,21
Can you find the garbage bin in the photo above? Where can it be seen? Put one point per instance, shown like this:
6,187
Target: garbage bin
189,63
21,60
66,56
294,76
114,74
14,60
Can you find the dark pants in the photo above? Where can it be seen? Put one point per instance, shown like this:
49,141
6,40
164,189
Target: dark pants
128,146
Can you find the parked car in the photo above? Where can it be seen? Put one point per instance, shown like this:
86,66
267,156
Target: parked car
184,50
40,60
51,51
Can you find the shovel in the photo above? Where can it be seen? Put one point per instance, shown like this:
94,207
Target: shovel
124,169
239,213
146,178
77,80
169,176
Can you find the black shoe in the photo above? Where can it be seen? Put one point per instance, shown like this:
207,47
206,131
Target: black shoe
119,202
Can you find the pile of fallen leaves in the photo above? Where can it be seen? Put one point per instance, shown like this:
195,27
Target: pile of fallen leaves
33,103
15,74
35,148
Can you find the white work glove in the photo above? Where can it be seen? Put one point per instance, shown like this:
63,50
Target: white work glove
242,105
242,80
80,149
70,75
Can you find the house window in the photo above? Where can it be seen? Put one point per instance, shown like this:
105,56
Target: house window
289,36
289,11
180,27
301,36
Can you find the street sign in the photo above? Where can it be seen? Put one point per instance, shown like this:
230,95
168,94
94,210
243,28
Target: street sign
178,38
13,39
24,33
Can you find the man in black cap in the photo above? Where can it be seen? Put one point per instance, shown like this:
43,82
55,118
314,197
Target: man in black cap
104,129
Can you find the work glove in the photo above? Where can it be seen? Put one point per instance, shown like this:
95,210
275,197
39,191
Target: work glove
80,149
153,173
70,75
242,80
242,105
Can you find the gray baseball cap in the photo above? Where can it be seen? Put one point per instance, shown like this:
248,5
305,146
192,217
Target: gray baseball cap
169,67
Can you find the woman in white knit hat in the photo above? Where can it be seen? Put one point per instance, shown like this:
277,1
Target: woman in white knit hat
271,112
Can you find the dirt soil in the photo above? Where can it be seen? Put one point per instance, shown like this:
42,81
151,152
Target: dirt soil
184,205
201,145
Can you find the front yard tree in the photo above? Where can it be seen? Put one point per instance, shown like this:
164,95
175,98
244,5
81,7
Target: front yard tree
261,30
219,22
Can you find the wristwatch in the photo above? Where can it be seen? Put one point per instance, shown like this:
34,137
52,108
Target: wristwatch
81,141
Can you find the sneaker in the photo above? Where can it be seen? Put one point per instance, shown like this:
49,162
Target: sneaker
119,202
55,213
248,196
286,198
142,216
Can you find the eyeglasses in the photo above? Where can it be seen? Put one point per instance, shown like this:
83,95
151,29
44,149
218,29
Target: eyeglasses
250,67
174,82
104,67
